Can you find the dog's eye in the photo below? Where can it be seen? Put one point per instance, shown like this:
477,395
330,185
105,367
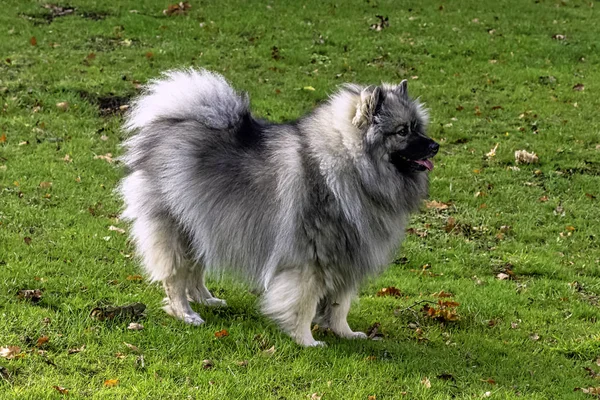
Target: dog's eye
402,130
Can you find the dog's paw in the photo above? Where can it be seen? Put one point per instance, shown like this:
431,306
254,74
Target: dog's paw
357,335
193,319
214,302
315,343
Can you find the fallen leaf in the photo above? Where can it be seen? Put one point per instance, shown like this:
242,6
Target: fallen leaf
381,24
45,185
149,55
590,196
592,373
492,152
134,326
315,396
42,341
559,37
389,291
67,158
221,333
590,390
132,347
425,382
579,87
372,397
115,229
543,199
134,278
525,157
10,352
120,356
33,41
269,352
489,380
534,336
63,106
76,350
437,205
3,138
34,295
242,363
177,9
106,157
373,331
441,294
111,382
61,389
132,311
207,364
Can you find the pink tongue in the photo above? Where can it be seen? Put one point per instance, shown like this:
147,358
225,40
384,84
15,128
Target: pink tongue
426,163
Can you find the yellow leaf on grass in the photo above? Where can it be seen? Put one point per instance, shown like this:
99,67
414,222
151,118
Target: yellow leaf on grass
111,382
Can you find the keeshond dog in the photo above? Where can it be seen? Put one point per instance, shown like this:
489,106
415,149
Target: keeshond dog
305,210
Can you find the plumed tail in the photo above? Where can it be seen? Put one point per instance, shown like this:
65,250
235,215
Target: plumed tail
188,95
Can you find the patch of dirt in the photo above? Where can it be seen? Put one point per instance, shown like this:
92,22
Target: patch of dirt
53,11
108,105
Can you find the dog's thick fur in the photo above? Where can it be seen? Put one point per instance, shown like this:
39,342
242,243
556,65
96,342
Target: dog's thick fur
305,210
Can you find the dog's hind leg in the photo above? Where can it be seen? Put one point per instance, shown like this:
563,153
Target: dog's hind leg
333,311
291,300
164,256
197,290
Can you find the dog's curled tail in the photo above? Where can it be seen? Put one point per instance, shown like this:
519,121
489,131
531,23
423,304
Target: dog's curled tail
189,94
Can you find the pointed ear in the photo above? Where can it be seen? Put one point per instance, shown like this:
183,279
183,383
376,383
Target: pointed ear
402,88
366,106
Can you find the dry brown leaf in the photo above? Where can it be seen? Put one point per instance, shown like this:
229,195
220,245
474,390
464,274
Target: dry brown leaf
33,41
106,157
76,350
45,185
590,390
177,9
441,294
131,347
42,341
115,229
34,295
492,152
242,363
3,138
134,278
63,106
543,199
382,24
111,382
525,157
534,336
61,389
134,326
221,333
67,158
579,87
502,276
207,364
315,396
269,352
389,291
437,205
10,352
426,382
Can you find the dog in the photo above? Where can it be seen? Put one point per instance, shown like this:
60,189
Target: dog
305,210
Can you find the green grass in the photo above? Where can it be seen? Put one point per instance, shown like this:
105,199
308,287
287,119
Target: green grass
465,58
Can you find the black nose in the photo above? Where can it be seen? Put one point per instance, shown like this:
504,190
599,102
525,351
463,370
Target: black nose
434,147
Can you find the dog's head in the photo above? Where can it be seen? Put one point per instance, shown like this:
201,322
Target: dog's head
395,127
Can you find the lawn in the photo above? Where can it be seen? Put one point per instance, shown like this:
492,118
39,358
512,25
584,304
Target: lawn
516,246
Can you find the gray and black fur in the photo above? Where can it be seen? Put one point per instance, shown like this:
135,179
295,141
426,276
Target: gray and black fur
305,210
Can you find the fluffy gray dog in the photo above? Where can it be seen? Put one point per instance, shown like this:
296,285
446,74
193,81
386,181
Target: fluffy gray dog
305,210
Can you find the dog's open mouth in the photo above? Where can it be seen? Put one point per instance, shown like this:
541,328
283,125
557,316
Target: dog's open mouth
404,164
426,164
